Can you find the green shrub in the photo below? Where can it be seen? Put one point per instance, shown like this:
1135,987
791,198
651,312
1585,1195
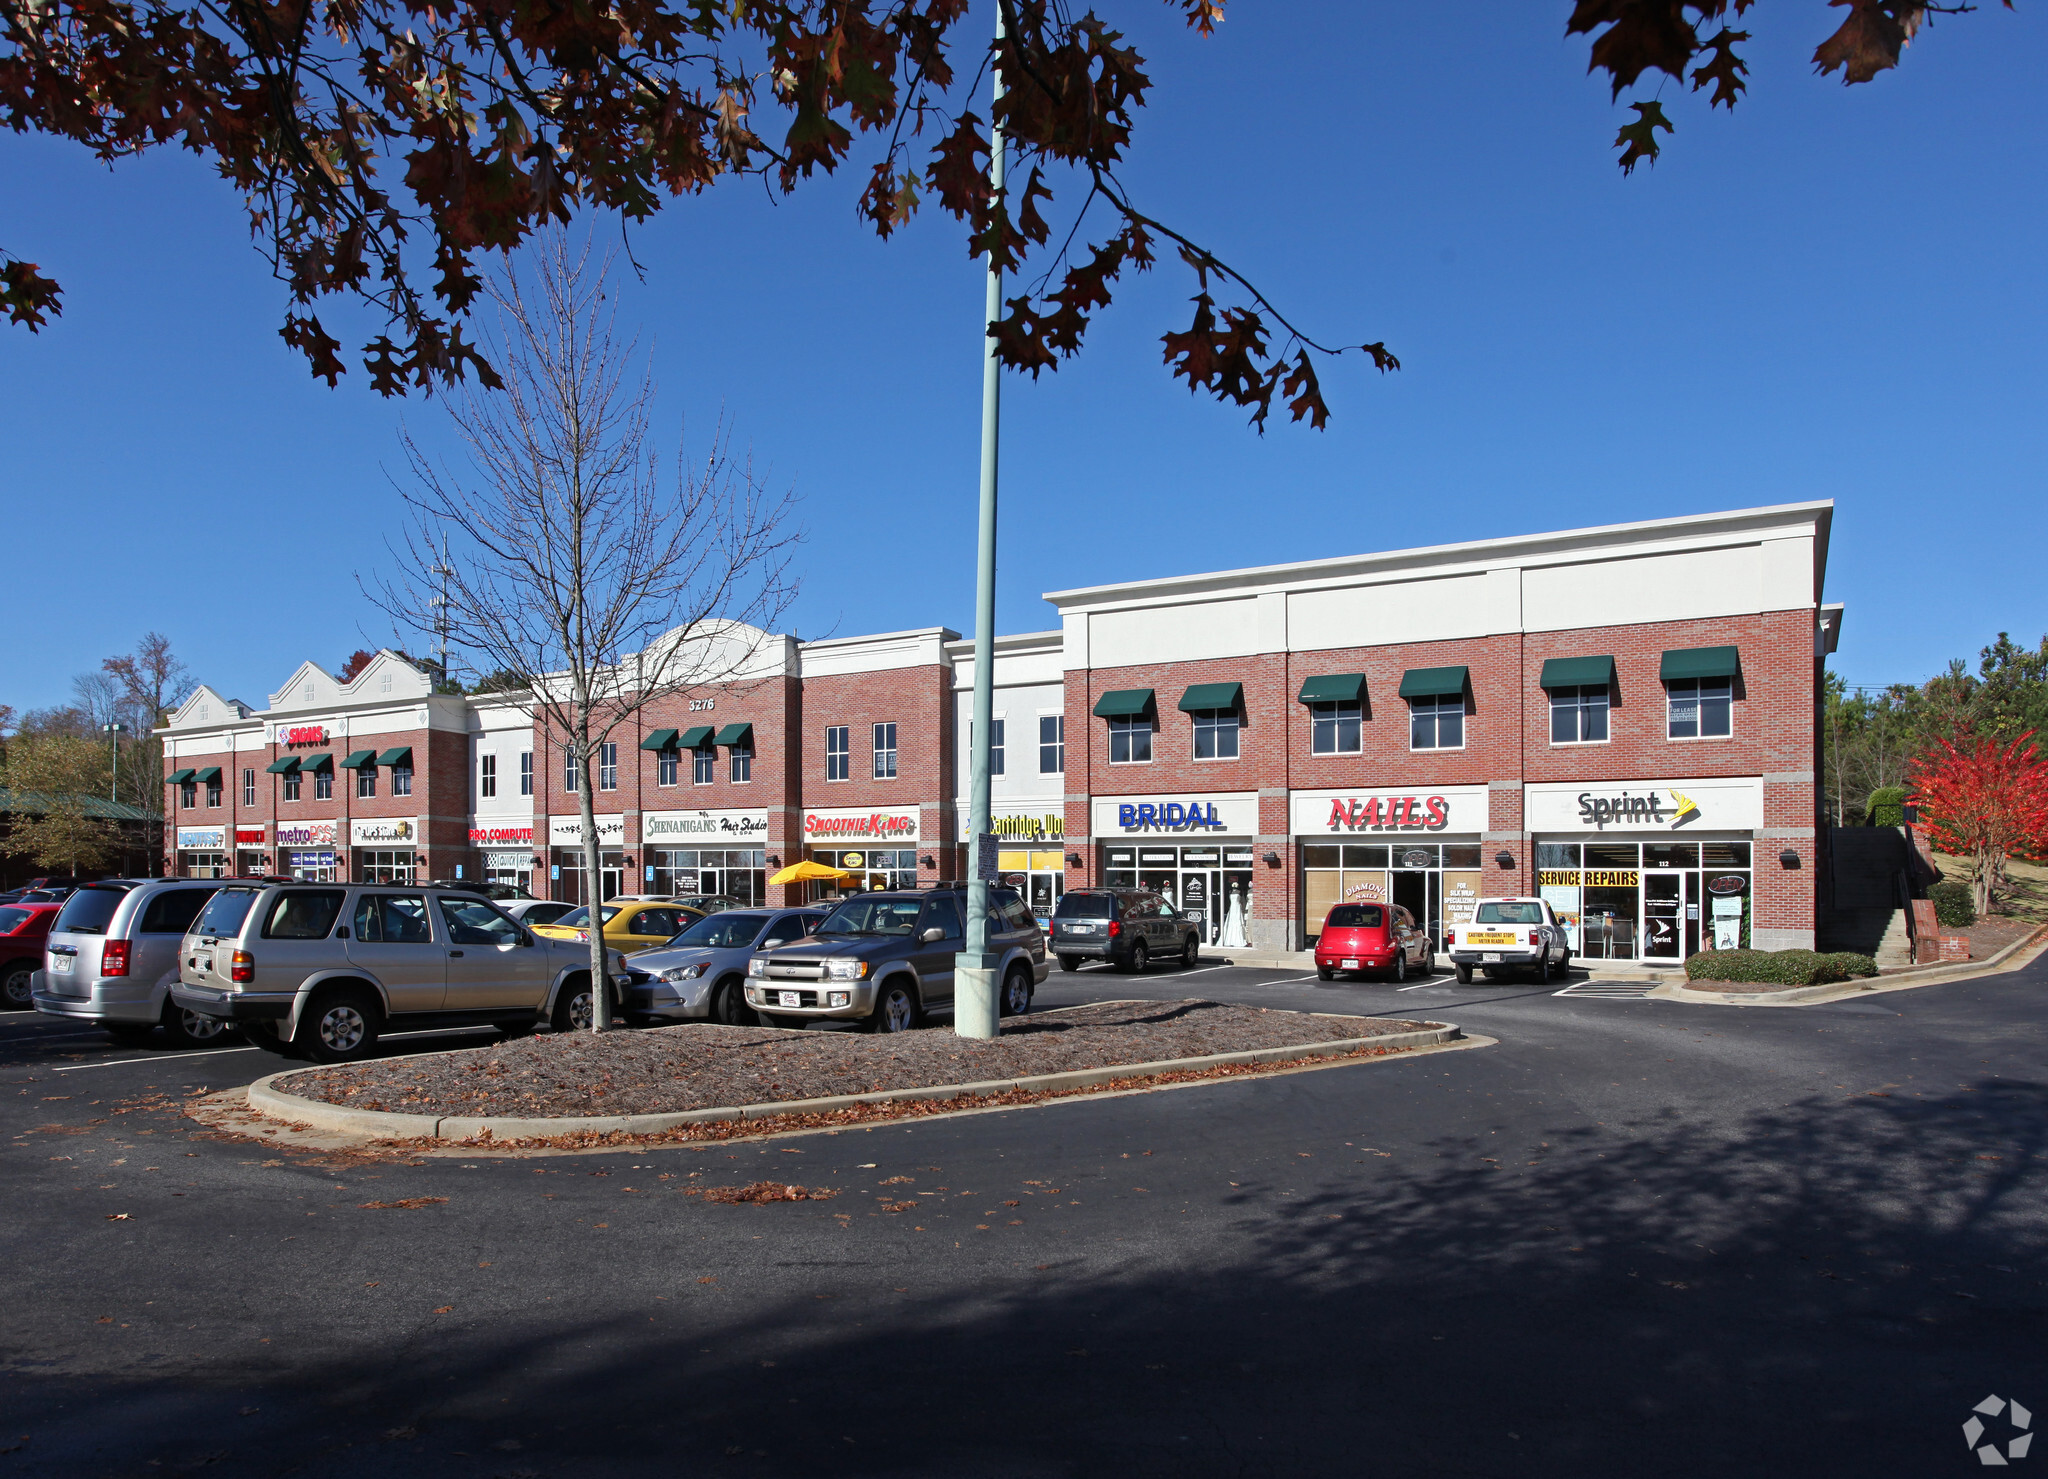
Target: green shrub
1954,905
1777,967
1885,808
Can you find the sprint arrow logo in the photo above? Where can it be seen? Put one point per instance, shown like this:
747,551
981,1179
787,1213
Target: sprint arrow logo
1688,810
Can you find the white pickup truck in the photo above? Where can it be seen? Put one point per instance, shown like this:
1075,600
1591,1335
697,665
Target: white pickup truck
1505,935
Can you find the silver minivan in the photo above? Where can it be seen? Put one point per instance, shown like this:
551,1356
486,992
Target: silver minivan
112,958
321,970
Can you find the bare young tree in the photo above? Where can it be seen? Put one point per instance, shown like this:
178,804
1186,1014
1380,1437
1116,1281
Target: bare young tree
585,581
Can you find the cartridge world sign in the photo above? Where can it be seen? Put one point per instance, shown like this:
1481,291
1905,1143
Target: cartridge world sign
1716,804
1458,809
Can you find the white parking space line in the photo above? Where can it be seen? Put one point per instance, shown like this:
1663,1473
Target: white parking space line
1422,986
153,1058
49,1037
1204,970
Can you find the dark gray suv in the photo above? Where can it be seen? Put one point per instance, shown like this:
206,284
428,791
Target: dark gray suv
882,958
1129,927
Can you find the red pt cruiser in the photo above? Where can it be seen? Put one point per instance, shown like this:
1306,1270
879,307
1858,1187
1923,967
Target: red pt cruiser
1373,937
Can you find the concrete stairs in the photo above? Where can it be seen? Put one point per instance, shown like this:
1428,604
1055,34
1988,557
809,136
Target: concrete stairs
1871,868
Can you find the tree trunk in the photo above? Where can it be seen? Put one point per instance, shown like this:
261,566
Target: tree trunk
586,806
1980,882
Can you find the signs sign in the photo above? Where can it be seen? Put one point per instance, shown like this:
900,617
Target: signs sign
202,839
383,832
304,734
1461,809
1717,804
1196,816
861,826
305,834
568,831
503,834
698,826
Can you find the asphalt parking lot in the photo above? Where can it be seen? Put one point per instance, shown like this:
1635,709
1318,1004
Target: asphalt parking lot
1633,1237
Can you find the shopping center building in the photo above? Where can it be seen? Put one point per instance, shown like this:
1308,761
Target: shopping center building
1622,718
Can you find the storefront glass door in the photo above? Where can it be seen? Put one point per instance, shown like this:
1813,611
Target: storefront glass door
1207,882
1663,916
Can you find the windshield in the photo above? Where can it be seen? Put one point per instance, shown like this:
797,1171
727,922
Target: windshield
89,911
1509,914
723,931
1084,906
1356,916
871,917
225,912
579,917
12,919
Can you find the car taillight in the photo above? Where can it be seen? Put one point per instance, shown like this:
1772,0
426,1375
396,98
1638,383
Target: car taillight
1535,937
242,967
1450,937
1115,929
114,958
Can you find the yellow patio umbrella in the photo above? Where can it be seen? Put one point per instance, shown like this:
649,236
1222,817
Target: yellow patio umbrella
808,869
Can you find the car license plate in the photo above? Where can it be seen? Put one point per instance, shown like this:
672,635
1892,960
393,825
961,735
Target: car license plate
1350,965
60,965
1492,959
788,998
202,963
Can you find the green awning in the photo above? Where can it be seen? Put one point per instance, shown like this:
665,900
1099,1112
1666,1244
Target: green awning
1433,682
308,764
400,757
284,765
1340,688
739,736
1699,662
661,739
358,759
1124,703
1202,696
1577,672
178,777
210,776
695,738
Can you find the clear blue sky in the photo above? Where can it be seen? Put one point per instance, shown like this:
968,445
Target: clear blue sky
1833,293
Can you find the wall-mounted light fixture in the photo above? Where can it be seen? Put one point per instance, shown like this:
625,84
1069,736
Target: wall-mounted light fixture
927,861
774,861
1788,859
1073,860
1271,860
537,862
1505,858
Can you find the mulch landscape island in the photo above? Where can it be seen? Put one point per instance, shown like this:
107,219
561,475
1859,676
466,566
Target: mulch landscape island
704,1066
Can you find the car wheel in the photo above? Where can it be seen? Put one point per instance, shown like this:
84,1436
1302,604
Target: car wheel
1543,969
1140,957
1070,962
17,987
1400,965
130,1034
729,1005
1324,973
338,1027
573,1006
1429,961
1015,1000
1190,953
895,1008
189,1029
1463,973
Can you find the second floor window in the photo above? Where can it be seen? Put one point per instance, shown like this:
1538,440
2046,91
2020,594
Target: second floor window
995,746
188,794
608,766
487,776
323,785
1578,716
401,780
666,764
1701,708
248,788
1130,739
742,762
1052,744
1437,723
885,752
1336,727
838,752
366,780
1215,734
703,766
572,779
526,772
291,786
213,793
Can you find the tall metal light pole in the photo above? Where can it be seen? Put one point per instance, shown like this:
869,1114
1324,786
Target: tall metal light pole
114,733
974,976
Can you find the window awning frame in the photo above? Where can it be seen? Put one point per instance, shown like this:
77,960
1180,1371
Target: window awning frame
1203,698
207,775
308,764
179,777
1577,672
694,738
283,765
398,758
1126,703
1435,682
1681,663
661,739
359,760
1328,688
736,736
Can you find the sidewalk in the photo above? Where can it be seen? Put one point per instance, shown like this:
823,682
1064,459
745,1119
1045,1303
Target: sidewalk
1305,962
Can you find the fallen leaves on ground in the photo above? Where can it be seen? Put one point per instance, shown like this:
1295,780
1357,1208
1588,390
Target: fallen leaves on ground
406,1203
759,1192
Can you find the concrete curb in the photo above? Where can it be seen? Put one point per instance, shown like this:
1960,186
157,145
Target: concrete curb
1996,964
267,1099
1305,961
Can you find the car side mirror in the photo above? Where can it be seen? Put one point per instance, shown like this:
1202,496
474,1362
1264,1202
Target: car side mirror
934,933
771,944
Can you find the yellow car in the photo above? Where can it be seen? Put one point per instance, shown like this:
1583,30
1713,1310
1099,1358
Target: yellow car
629,925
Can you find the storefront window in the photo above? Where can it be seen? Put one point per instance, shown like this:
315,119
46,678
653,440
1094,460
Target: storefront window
203,864
1437,883
736,873
1437,723
611,881
315,865
384,866
1210,882
1336,727
1578,716
249,865
1701,708
871,869
1648,901
514,868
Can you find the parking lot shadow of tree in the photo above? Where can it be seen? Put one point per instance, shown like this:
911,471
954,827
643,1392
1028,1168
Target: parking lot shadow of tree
1826,1291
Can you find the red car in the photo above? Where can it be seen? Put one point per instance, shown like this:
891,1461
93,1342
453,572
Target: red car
1373,937
24,930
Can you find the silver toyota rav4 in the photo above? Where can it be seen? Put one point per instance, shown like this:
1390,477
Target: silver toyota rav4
320,970
112,958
